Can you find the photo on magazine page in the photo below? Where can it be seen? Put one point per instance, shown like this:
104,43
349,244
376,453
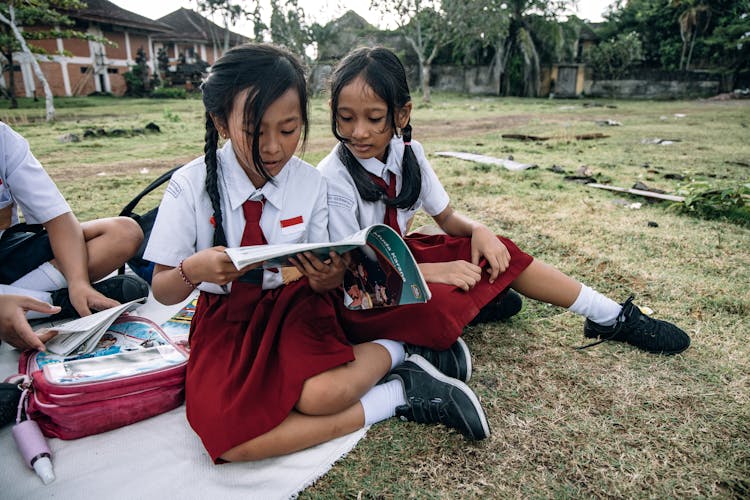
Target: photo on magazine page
122,336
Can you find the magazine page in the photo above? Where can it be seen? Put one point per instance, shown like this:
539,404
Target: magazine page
123,336
382,271
177,328
371,281
86,330
278,255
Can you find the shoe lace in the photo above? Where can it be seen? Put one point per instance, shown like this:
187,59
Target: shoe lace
619,323
427,410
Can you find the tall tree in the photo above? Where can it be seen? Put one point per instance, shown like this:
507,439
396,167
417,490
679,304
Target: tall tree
694,18
425,28
669,31
259,27
521,42
230,12
289,27
479,26
47,18
728,45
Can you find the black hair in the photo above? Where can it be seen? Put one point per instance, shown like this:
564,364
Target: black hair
382,70
268,71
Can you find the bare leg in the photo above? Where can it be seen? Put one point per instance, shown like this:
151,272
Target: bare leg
336,390
543,282
298,432
330,402
110,242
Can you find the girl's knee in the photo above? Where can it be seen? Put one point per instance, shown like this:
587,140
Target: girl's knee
126,234
129,230
325,394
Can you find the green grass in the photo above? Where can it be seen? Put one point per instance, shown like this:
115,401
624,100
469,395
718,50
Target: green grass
605,422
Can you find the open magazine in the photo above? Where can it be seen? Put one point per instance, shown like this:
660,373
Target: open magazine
83,334
382,271
130,346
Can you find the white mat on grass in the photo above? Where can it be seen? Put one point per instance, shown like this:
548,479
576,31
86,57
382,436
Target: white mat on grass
158,458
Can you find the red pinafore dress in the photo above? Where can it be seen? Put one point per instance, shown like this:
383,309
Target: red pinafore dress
252,350
439,322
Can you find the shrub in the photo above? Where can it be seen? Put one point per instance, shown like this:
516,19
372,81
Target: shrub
169,93
731,203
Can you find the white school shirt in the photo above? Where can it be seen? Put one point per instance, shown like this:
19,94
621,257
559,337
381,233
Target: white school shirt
295,211
348,212
24,183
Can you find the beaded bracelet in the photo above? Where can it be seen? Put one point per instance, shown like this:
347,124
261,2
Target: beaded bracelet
182,275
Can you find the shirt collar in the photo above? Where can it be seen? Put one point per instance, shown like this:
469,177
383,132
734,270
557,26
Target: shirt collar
240,188
392,163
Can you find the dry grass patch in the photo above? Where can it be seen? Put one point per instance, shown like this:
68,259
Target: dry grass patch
607,422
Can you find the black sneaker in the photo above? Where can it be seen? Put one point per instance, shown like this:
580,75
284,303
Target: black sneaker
433,398
122,288
454,362
638,329
506,305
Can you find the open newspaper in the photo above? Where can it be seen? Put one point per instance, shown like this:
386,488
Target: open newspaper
83,334
382,271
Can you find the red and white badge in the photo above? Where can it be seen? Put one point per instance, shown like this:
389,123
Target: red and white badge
292,225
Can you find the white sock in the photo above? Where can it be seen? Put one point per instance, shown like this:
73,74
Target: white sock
46,278
596,307
43,296
395,349
380,402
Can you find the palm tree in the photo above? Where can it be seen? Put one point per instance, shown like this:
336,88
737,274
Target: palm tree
693,19
522,35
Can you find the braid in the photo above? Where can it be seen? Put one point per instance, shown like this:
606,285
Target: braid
411,184
212,187
368,190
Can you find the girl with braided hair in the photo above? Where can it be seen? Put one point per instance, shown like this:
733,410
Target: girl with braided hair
271,370
378,174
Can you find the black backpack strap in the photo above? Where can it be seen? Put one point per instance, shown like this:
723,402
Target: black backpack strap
128,210
146,221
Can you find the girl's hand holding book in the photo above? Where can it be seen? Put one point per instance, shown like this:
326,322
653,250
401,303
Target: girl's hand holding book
322,275
213,265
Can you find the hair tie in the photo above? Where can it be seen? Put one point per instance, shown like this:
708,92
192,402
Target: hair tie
407,143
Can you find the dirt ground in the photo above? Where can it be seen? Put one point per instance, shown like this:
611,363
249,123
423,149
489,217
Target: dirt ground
427,131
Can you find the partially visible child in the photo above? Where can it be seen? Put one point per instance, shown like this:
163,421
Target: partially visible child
58,262
15,328
271,371
379,174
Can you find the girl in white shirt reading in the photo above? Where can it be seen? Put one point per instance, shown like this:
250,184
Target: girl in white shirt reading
379,174
271,370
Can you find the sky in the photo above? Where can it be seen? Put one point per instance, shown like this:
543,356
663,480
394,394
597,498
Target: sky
320,11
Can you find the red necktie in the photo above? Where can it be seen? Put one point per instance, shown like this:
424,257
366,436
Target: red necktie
246,290
391,212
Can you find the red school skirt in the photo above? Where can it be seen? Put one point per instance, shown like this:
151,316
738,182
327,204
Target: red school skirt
440,321
245,377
